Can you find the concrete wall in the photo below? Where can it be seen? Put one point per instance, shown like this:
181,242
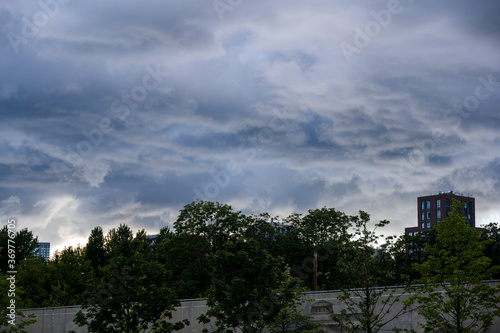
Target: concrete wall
317,303
53,320
319,306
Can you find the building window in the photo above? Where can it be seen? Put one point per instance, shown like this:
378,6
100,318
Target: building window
423,224
438,214
438,203
428,205
423,216
428,225
321,309
428,215
422,205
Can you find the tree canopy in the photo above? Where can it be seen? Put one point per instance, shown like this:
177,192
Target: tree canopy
25,242
251,271
249,289
134,293
453,297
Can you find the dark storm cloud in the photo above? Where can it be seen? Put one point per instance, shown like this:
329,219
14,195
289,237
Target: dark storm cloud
161,191
480,19
280,185
482,180
314,130
439,160
121,114
396,153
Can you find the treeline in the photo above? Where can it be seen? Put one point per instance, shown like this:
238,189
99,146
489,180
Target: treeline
203,228
212,244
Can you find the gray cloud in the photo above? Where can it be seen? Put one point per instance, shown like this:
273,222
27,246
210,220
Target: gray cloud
121,114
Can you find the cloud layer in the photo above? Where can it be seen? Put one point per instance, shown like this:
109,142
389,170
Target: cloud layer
123,113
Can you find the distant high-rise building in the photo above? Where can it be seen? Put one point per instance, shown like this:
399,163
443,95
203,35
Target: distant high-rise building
434,208
151,239
280,228
44,250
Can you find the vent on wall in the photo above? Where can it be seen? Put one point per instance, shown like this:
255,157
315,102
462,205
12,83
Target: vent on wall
321,307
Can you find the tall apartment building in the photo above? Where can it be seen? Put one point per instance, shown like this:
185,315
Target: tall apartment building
435,208
44,250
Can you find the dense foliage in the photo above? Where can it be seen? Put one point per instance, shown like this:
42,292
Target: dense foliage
241,263
453,298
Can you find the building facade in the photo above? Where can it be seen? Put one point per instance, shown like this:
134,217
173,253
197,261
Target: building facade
44,250
434,208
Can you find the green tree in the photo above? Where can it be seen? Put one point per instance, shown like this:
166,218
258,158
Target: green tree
25,243
322,225
453,298
325,231
294,251
244,292
186,256
9,313
491,234
369,307
36,278
289,317
95,250
259,228
72,273
164,233
119,241
133,295
134,292
406,251
58,282
218,223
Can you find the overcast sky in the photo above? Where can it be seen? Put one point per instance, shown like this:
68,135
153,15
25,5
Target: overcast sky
124,111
